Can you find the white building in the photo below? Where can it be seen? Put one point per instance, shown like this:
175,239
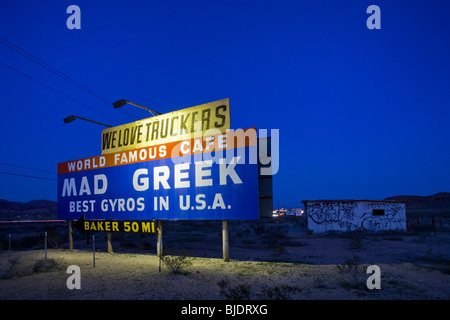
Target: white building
350,215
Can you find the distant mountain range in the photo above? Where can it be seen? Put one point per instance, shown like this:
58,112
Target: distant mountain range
35,209
438,203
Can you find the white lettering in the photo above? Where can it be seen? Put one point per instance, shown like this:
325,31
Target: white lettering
218,202
200,174
97,178
183,144
160,176
229,171
69,187
178,175
201,204
185,206
140,184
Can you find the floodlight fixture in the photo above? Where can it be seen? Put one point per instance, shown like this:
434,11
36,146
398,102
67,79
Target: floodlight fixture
72,118
122,102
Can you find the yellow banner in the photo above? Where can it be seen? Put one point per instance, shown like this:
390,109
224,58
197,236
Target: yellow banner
174,126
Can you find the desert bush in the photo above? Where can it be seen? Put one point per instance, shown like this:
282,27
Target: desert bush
351,265
176,263
355,239
354,272
258,227
240,292
54,238
243,230
282,292
47,265
7,267
275,234
278,250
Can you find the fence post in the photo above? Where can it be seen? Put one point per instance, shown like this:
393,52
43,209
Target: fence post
93,250
45,246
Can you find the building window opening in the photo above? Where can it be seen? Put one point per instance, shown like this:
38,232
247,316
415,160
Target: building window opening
378,212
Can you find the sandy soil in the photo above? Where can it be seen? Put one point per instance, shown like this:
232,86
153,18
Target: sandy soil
297,266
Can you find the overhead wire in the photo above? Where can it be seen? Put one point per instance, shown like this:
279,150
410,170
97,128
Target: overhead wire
27,176
58,73
45,65
55,90
41,114
61,75
32,91
23,167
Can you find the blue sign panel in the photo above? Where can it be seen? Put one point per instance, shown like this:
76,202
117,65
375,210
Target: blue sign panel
192,187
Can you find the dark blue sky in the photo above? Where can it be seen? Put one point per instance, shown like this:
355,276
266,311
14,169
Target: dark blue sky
362,113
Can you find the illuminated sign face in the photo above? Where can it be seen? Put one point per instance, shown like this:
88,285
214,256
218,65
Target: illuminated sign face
174,126
212,177
116,226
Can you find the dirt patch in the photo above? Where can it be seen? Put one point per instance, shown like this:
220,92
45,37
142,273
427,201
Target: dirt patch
294,265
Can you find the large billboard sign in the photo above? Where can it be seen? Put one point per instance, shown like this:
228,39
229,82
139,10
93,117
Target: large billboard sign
208,177
179,125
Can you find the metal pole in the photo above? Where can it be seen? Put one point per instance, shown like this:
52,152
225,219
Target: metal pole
71,235
109,240
159,268
45,245
93,250
159,249
159,235
226,240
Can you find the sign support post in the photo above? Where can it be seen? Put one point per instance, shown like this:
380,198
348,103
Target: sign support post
109,240
93,251
159,239
70,235
226,240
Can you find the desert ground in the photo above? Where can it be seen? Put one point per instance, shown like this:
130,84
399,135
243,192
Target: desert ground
277,259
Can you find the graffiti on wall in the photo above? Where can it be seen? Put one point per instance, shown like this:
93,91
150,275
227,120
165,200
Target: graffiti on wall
393,218
349,216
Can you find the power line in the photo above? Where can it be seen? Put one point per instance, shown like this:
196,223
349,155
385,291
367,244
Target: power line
45,65
56,90
16,104
42,114
22,167
27,176
58,73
